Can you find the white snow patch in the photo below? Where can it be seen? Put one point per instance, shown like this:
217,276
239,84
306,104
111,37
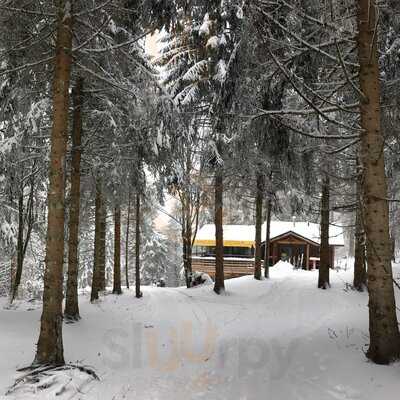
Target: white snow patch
282,338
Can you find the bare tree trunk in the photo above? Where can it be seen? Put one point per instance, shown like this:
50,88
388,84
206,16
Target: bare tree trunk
360,273
96,278
219,285
50,349
102,242
383,327
259,207
267,238
117,250
187,238
71,311
20,247
184,245
137,247
22,243
324,265
127,242
184,256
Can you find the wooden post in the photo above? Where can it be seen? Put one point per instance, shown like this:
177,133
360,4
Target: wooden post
308,257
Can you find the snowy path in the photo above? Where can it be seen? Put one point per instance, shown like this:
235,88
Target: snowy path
280,339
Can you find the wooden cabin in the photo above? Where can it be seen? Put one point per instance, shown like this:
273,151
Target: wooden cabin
295,242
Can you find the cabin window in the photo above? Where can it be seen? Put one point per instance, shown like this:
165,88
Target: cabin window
209,251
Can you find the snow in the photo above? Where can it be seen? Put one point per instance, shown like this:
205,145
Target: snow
204,29
281,338
212,42
231,232
308,230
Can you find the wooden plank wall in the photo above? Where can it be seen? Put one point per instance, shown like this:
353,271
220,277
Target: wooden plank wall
232,267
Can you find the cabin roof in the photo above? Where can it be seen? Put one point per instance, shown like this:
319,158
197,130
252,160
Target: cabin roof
243,235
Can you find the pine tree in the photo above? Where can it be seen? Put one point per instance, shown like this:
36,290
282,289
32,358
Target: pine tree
384,330
50,345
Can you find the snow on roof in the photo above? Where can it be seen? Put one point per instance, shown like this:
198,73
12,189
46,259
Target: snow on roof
308,230
232,233
246,233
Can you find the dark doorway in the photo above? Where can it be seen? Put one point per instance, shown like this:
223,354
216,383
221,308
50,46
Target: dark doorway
293,253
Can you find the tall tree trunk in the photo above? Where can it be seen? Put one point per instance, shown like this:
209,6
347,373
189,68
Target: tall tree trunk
259,207
324,253
127,242
102,242
22,243
187,239
267,238
189,247
219,285
50,345
71,311
20,247
117,250
384,331
184,253
360,273
137,247
96,278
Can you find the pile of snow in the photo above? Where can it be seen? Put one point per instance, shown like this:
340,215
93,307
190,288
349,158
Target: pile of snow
201,278
281,268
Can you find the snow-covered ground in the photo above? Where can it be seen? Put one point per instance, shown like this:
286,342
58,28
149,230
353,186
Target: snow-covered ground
280,339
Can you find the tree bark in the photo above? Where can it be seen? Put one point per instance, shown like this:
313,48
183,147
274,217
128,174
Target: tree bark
267,238
117,251
50,349
137,248
71,311
102,243
187,238
324,254
20,247
127,242
259,207
384,331
219,285
96,278
360,273
22,244
184,252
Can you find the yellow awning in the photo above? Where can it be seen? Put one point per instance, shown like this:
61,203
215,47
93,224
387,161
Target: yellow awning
227,243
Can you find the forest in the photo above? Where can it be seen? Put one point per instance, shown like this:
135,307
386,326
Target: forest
130,130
